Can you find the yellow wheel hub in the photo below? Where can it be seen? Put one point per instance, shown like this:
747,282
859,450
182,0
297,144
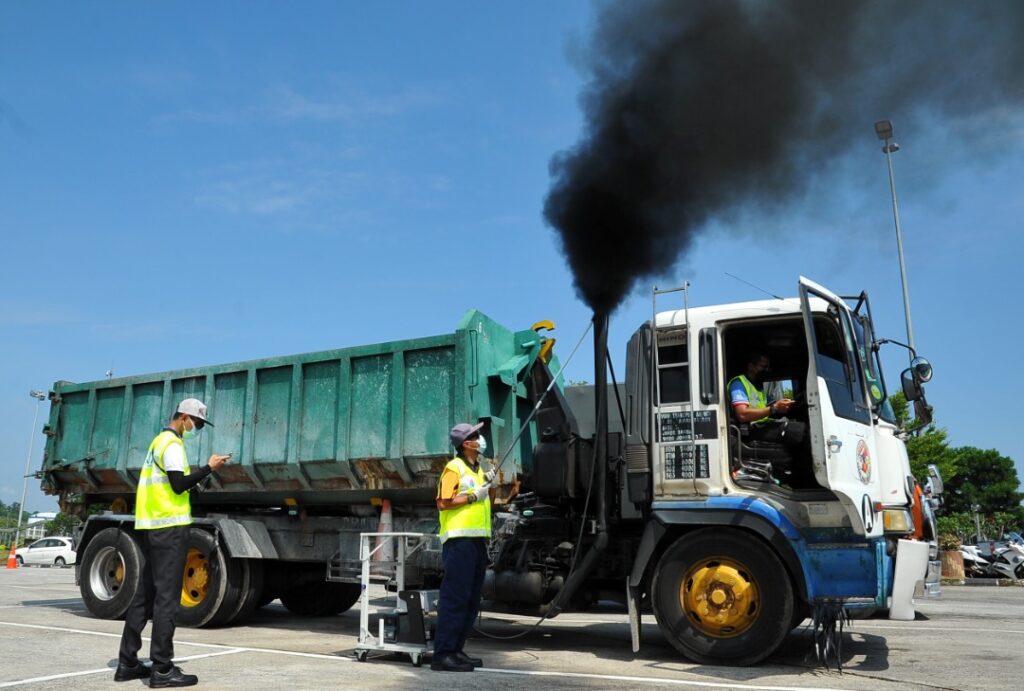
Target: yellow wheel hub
119,572
720,597
195,580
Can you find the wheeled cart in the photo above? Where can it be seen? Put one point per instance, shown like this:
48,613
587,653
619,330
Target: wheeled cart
403,628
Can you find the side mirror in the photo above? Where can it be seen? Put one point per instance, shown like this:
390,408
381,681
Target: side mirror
935,480
912,389
922,369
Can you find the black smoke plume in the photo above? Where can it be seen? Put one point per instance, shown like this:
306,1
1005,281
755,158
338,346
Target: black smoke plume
696,107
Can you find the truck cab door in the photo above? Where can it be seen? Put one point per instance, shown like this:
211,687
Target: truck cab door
839,413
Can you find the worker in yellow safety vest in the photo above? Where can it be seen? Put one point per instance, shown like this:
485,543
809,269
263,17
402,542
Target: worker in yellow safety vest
464,504
767,421
162,519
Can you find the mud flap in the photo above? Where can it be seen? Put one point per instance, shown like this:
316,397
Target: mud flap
911,567
633,603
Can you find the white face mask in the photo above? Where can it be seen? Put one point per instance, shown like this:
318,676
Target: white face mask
481,445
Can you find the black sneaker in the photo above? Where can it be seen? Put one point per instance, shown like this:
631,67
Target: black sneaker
173,677
127,673
450,663
462,657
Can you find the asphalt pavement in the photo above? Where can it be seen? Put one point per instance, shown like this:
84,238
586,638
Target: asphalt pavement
971,638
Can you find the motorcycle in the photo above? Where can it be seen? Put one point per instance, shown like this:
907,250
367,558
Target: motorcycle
1008,562
975,565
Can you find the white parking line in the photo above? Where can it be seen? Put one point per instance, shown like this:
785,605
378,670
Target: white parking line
41,587
230,650
927,629
107,670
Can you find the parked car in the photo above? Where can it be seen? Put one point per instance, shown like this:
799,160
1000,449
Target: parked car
58,551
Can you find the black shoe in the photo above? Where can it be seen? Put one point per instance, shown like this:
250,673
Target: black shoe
126,673
174,677
462,657
450,663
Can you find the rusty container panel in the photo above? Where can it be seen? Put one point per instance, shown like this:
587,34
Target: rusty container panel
331,427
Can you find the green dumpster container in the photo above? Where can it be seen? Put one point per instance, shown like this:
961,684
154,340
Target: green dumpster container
332,427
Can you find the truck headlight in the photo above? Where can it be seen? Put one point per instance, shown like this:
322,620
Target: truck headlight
897,521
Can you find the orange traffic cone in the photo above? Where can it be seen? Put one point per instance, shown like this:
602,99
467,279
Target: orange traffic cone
12,561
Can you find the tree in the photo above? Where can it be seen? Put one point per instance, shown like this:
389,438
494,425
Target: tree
931,447
62,524
988,480
925,447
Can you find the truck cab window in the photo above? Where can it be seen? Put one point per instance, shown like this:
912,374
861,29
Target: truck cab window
673,368
837,364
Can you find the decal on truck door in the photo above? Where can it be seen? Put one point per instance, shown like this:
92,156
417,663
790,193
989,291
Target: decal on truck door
863,462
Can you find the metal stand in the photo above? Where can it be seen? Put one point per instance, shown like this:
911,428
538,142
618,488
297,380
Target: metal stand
401,629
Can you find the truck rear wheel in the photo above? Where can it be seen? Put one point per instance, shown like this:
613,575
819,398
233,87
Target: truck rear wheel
321,599
722,597
110,573
251,592
211,584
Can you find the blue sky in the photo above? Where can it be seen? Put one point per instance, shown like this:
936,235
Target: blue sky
184,185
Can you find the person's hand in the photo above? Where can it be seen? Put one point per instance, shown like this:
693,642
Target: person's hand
782,406
480,493
489,475
217,461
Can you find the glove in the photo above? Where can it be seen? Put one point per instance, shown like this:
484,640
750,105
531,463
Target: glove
489,475
479,494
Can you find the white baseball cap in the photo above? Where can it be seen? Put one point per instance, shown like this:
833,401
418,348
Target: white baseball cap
193,407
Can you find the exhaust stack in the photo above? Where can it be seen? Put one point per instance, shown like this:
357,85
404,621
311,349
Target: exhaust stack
599,469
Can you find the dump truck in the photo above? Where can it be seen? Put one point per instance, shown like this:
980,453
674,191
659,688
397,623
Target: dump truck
643,491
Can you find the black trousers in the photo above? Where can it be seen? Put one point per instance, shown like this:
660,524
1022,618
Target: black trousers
465,565
158,596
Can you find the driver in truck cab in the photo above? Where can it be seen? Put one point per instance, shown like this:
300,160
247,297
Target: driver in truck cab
766,421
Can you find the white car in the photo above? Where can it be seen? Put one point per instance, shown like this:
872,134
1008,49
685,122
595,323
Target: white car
57,551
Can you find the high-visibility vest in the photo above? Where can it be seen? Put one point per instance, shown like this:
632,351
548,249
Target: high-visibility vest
754,395
156,504
468,520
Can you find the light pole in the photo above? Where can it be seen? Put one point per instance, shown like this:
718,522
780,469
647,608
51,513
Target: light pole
40,397
883,128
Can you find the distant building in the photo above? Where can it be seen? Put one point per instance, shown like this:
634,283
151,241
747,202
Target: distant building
32,528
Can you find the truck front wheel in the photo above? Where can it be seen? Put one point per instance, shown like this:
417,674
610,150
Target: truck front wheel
722,597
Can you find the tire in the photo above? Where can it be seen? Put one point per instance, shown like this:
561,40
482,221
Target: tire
17,558
321,599
722,597
340,597
211,583
59,561
110,573
801,611
251,592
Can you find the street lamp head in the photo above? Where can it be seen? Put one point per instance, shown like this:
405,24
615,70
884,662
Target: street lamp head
38,395
883,128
